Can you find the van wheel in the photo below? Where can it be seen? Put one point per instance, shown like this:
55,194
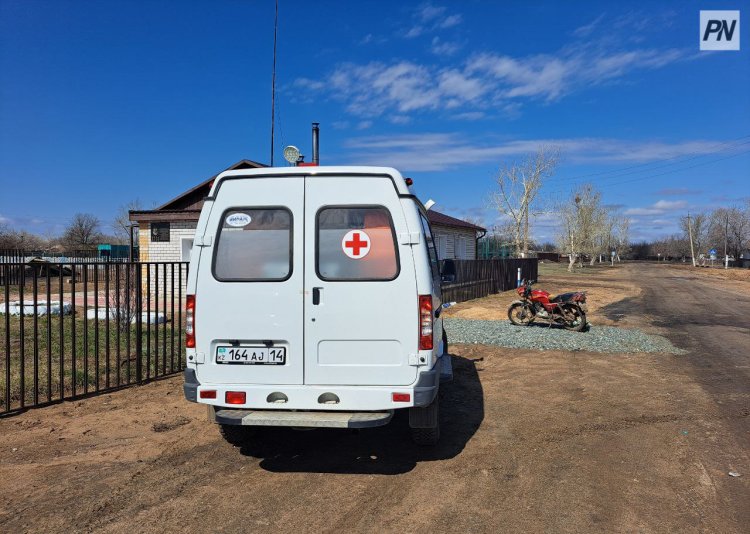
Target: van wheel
426,437
236,435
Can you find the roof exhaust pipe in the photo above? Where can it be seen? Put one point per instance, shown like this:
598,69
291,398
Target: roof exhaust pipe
315,143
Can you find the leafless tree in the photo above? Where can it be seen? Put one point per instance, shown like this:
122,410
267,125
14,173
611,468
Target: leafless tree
586,228
20,239
518,186
122,299
730,227
82,232
121,223
697,225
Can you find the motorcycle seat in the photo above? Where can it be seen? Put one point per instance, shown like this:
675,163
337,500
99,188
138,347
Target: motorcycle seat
563,297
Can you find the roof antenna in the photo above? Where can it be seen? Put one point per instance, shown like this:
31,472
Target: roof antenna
273,77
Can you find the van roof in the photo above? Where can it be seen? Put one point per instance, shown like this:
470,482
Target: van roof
349,171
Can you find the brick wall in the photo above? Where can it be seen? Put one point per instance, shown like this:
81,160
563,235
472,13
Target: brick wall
161,251
166,250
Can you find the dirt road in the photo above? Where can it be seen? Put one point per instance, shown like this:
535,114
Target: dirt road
533,442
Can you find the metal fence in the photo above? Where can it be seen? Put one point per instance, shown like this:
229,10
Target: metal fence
479,278
71,329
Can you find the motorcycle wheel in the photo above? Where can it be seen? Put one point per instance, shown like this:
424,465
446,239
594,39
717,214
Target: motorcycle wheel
574,318
520,314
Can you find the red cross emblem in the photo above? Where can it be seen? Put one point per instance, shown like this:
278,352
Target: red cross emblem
356,244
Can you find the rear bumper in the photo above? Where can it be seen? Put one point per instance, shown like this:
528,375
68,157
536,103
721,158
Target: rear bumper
317,419
304,397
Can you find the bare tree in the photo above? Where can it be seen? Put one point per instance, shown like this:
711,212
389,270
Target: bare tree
730,228
518,186
121,223
697,226
82,232
584,225
122,299
21,239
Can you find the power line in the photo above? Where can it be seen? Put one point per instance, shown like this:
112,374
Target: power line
665,172
621,171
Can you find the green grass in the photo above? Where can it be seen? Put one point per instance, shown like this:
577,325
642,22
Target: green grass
48,357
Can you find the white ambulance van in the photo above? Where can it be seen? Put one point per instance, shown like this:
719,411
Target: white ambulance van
314,301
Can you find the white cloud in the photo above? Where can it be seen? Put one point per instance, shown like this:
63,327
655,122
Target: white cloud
469,115
658,208
429,12
430,18
587,29
449,22
403,86
364,125
444,48
399,119
440,151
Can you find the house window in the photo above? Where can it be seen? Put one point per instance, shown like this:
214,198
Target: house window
461,248
160,232
442,246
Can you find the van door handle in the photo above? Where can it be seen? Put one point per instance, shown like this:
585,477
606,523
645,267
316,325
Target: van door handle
316,295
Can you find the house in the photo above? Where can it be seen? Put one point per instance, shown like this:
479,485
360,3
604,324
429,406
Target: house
454,238
166,233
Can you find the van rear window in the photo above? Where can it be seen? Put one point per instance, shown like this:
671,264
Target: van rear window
356,243
254,244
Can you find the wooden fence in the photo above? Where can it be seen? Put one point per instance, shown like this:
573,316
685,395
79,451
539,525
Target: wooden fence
479,278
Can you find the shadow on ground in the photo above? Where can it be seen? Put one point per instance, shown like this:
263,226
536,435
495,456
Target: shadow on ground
386,450
619,310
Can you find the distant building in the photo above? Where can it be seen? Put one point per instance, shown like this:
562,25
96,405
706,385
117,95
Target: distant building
166,233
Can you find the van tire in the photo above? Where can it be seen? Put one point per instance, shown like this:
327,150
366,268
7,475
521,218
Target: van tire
235,435
427,437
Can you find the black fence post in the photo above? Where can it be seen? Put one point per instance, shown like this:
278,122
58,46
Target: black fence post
138,323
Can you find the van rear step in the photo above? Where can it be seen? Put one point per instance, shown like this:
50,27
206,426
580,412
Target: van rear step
302,419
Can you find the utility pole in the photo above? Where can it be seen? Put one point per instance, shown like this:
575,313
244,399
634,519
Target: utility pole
726,234
690,232
273,78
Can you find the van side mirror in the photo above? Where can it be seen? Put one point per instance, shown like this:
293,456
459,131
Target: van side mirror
448,271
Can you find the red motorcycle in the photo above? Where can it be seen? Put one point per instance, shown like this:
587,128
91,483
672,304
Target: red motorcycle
567,310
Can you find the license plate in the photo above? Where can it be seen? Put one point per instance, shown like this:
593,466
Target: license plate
251,355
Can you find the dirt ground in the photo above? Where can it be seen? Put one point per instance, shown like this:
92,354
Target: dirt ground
604,285
532,442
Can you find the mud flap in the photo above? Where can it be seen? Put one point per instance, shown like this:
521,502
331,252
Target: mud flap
426,417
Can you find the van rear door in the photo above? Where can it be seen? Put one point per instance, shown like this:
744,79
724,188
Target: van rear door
248,316
361,305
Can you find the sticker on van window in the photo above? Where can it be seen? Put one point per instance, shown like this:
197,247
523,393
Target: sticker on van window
238,219
356,244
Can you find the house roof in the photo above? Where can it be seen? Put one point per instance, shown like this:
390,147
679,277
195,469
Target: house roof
180,201
441,219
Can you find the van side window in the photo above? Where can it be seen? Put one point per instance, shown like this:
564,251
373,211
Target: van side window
356,243
431,252
254,244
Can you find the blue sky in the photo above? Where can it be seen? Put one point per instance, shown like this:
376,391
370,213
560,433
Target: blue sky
105,102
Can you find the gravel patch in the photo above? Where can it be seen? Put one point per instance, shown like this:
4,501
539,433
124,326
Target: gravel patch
542,337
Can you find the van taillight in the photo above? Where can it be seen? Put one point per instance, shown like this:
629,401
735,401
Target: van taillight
190,322
425,322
